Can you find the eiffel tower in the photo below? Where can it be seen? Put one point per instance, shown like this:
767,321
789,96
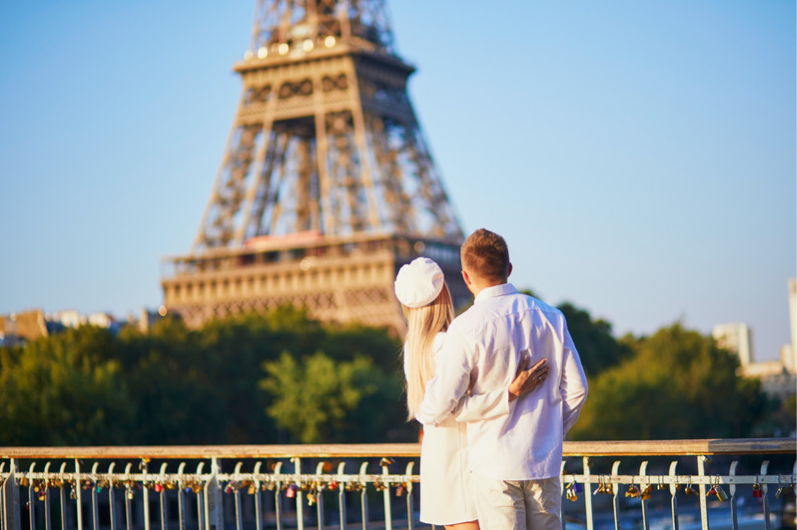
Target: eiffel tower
326,186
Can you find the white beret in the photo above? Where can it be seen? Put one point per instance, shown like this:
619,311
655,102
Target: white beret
419,282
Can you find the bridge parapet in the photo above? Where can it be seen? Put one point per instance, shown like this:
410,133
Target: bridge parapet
719,483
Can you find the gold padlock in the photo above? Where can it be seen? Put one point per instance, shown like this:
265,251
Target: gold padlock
646,492
571,493
632,492
721,495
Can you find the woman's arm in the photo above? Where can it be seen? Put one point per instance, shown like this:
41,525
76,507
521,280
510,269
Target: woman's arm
476,407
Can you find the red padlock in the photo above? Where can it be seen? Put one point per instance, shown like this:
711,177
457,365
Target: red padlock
291,492
756,490
158,488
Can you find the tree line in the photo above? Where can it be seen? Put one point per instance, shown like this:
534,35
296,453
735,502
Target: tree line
282,377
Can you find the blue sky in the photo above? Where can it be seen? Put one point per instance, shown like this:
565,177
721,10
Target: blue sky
639,157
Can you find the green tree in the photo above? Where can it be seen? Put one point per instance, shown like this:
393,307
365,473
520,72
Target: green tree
675,384
597,347
316,398
64,390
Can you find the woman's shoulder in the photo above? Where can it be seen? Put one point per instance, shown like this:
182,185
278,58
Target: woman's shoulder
437,344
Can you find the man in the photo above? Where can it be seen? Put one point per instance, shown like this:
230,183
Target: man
515,459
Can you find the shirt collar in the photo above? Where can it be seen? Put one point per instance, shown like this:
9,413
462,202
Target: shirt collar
494,291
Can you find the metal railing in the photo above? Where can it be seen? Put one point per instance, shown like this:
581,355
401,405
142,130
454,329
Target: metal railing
328,486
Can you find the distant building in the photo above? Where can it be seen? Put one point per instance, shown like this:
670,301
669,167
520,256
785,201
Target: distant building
788,354
737,338
148,318
70,318
23,326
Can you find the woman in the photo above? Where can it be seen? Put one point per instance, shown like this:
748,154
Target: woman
426,302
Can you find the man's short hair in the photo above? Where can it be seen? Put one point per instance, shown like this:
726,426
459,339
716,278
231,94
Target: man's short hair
486,255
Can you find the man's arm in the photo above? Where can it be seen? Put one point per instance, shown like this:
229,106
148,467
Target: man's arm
450,381
573,385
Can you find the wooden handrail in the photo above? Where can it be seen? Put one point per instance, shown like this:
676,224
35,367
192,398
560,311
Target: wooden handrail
571,449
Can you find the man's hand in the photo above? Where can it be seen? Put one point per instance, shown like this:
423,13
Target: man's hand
527,380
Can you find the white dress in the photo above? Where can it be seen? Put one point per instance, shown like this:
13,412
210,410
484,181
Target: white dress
445,493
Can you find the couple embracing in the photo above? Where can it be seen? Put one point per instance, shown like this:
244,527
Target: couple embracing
493,427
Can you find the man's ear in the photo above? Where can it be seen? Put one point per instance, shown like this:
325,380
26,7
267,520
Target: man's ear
508,270
466,277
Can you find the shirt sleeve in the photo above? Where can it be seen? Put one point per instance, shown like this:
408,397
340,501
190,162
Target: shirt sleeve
573,385
476,407
450,381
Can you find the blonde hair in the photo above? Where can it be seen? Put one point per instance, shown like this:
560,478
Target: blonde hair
423,325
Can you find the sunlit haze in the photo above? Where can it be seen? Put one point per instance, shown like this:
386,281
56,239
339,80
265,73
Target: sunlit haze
639,157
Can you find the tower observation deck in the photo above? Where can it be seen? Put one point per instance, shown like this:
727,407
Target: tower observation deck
326,186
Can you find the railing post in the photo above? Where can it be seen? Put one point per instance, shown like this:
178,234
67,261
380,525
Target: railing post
386,495
643,469
364,494
47,515
214,513
278,496
11,518
111,507
764,496
588,495
237,497
297,469
31,504
319,500
342,495
79,496
410,506
162,497
145,491
561,494
615,492
95,512
732,489
701,488
673,491
62,495
258,490
200,495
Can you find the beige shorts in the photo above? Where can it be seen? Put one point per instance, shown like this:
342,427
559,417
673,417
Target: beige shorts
518,504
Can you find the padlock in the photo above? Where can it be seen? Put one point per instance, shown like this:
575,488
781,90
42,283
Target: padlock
757,490
400,490
689,490
646,492
291,491
632,492
571,493
721,495
158,488
577,487
311,498
333,485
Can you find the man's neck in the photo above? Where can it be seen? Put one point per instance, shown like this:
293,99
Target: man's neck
477,287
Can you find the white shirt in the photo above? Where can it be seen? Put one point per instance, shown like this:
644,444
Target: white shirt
485,345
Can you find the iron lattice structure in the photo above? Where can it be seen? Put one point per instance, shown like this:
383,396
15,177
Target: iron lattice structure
325,149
